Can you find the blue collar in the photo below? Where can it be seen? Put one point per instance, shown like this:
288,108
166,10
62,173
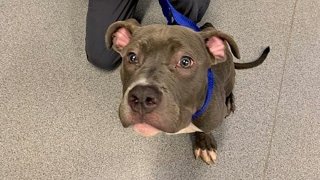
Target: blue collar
175,17
209,94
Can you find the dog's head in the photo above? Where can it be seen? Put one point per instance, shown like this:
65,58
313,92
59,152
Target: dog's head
164,73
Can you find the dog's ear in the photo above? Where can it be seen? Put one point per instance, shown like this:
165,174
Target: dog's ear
125,28
209,33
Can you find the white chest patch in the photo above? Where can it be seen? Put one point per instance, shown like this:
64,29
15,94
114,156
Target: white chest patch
189,129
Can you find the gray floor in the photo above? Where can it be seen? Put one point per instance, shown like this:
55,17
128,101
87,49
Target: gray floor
59,113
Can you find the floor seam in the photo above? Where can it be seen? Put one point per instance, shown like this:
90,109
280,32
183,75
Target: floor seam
266,165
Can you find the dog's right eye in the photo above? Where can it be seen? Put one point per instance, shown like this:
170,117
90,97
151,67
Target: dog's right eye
185,62
132,57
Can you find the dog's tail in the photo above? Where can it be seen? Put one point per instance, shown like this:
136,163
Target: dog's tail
253,63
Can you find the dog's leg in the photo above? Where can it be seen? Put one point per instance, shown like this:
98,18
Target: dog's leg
205,147
231,107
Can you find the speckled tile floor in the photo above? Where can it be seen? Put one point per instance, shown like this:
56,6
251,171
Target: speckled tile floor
58,113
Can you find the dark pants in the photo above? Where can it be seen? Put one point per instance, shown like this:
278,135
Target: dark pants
102,13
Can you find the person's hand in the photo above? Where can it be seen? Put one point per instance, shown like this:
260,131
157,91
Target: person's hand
216,47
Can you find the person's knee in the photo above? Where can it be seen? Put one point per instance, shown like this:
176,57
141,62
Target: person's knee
99,16
106,59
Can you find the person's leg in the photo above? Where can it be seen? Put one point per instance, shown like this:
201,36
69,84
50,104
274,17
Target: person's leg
102,13
193,9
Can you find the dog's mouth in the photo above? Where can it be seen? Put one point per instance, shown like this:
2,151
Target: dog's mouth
145,129
146,125
153,123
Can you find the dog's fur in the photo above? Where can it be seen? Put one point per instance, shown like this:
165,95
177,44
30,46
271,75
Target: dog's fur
151,68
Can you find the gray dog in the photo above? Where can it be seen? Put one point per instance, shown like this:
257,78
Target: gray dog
165,72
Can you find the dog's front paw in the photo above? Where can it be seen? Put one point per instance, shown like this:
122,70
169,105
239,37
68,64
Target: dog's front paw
205,147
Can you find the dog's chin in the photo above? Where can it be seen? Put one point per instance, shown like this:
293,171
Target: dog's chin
145,129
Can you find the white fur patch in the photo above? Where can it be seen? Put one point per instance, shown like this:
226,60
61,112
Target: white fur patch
189,129
124,103
142,81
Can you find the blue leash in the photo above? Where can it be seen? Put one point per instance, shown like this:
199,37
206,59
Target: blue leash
175,17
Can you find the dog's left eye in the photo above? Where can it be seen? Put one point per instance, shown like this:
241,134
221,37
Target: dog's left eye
185,62
133,59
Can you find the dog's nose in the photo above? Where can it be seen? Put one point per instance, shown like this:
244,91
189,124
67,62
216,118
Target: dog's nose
144,98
